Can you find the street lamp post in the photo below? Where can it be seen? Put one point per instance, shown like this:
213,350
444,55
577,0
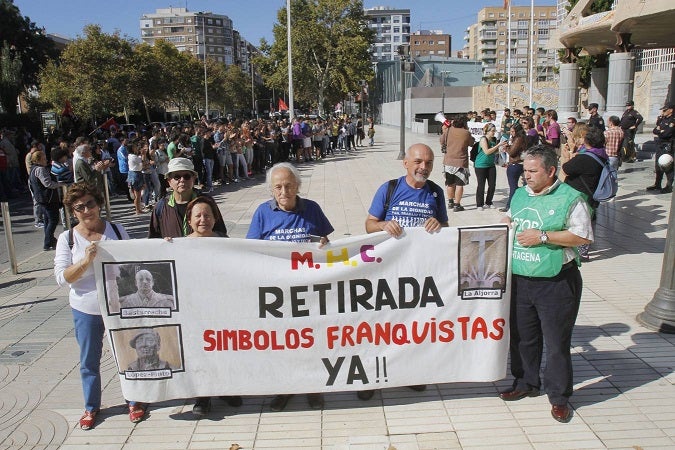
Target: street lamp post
443,72
250,61
206,85
404,53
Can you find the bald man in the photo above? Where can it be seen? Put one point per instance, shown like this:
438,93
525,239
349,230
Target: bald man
386,212
146,297
409,201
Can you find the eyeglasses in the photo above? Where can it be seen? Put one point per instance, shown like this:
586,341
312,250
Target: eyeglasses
185,176
91,204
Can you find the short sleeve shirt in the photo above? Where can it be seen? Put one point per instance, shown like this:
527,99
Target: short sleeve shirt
408,206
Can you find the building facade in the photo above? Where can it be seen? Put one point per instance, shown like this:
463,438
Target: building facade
430,43
392,28
487,41
200,33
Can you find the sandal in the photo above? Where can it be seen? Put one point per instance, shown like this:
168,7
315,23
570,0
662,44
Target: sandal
136,413
87,420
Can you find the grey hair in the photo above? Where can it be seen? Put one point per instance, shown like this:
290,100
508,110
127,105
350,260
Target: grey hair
79,151
283,165
545,153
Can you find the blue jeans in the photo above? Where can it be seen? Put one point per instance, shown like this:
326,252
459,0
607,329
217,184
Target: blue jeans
89,331
208,168
51,218
513,173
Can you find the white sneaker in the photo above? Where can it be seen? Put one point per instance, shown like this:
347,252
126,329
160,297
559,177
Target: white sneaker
480,208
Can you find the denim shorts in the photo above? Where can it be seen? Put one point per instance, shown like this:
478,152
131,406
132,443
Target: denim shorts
135,180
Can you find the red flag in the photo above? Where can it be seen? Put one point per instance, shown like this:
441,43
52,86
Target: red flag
67,110
109,123
506,4
282,105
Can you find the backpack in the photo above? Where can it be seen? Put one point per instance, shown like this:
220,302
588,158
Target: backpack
608,184
436,189
473,154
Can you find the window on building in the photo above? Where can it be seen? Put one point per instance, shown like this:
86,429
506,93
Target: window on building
209,21
542,14
431,52
397,29
543,23
491,14
441,42
431,42
441,52
522,24
397,19
502,15
397,38
417,42
543,31
502,62
418,53
502,24
502,52
502,43
502,33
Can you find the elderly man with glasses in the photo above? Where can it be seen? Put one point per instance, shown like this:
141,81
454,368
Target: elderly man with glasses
168,216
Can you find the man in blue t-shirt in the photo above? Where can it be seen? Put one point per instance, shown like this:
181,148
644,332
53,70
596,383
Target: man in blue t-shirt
414,201
410,201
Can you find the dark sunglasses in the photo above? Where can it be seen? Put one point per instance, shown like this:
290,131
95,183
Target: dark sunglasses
91,204
185,176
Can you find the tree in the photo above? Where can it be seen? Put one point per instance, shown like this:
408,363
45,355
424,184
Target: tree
330,44
10,78
95,74
236,90
29,50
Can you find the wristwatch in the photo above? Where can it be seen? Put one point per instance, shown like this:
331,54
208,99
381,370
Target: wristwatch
544,237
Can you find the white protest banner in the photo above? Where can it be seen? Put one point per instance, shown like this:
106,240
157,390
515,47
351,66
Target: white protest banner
213,316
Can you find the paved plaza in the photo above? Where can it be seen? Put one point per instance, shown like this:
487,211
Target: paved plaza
624,395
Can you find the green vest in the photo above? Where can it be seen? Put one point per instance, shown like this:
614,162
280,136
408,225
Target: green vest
544,212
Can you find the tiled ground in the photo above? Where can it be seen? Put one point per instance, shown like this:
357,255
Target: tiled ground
624,395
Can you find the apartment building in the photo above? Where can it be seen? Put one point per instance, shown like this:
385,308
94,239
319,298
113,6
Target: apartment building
430,43
392,28
487,41
200,33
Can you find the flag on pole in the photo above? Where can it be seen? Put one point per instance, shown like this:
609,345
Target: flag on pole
282,105
67,110
109,123
506,4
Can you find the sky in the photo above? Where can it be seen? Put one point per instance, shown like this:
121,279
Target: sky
252,18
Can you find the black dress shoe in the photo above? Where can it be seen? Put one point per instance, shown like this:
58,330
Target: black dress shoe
315,401
418,387
561,413
653,187
232,400
515,394
279,402
667,190
365,395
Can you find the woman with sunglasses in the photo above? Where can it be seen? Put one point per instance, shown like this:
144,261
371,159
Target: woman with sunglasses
73,266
